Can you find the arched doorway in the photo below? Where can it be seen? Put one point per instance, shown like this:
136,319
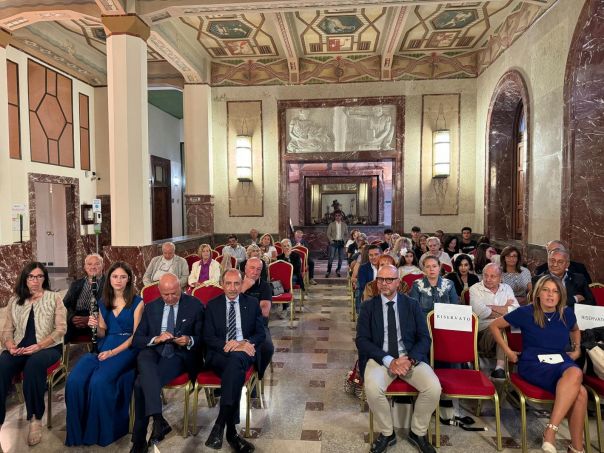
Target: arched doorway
582,209
508,151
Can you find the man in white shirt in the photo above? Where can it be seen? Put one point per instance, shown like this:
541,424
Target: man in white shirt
235,249
433,244
337,233
491,299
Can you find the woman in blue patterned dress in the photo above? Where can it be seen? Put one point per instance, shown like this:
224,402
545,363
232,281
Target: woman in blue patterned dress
99,388
433,288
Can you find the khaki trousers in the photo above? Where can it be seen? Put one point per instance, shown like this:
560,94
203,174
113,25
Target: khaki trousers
487,344
377,379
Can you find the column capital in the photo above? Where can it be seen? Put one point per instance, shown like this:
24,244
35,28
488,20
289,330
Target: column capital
5,37
129,24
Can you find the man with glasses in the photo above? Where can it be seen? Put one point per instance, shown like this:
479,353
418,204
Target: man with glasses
393,343
574,267
78,297
577,289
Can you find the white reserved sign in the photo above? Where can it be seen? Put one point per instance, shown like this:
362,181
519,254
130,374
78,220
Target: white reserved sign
453,317
589,316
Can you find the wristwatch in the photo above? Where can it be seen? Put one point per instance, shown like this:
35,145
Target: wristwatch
413,363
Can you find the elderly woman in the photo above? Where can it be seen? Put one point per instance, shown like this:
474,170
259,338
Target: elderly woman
546,325
463,273
267,247
32,336
433,244
433,288
206,269
253,251
515,275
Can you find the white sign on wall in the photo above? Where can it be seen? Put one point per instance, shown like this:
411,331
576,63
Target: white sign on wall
588,316
453,317
96,205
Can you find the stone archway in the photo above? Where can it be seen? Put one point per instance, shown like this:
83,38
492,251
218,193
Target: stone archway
582,207
509,94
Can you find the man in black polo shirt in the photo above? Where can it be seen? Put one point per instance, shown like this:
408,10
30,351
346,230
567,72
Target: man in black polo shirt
254,286
467,244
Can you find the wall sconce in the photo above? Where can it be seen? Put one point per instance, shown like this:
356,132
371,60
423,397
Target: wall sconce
243,155
441,148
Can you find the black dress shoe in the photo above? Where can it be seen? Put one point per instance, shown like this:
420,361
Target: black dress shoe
421,442
215,438
161,428
139,448
240,445
382,443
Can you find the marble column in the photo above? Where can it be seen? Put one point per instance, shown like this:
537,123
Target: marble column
199,199
128,130
6,234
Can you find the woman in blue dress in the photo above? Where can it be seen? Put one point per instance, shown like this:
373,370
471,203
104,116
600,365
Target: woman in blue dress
546,326
99,388
433,288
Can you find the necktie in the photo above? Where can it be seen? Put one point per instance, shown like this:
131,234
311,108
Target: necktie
232,332
169,347
392,334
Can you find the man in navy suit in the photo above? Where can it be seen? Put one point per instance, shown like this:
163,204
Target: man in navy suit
233,331
367,272
168,335
393,343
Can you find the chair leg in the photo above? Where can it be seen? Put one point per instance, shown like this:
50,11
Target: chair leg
195,407
497,420
271,365
20,396
49,415
598,420
131,417
522,422
185,428
248,397
163,397
66,355
478,408
370,427
292,311
586,434
437,427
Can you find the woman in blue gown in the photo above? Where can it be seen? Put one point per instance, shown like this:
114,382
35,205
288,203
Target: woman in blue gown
545,362
99,388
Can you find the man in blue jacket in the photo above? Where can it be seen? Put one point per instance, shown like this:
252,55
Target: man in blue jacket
393,343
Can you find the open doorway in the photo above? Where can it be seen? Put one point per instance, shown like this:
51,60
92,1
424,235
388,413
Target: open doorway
161,198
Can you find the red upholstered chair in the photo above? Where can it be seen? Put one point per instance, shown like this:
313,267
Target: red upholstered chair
452,346
209,381
297,286
465,297
207,292
215,254
182,382
528,392
410,278
81,339
279,248
304,250
597,289
283,271
233,261
150,292
192,258
595,386
54,374
446,268
219,248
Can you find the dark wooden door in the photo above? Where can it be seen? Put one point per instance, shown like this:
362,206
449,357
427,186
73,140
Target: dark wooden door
161,199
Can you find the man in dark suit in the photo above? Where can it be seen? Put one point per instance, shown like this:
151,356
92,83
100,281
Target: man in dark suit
574,267
577,289
233,331
168,335
78,297
367,273
393,343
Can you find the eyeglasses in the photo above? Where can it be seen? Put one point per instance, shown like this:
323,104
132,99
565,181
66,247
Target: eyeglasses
35,277
386,280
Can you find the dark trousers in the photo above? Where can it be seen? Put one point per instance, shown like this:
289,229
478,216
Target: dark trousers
231,368
154,371
265,352
336,248
34,378
311,268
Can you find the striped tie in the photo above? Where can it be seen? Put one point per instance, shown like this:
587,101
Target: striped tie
232,332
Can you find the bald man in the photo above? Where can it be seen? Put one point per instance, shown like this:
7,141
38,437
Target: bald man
168,335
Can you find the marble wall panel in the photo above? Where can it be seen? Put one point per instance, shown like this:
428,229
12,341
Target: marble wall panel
12,259
105,237
583,181
199,214
138,257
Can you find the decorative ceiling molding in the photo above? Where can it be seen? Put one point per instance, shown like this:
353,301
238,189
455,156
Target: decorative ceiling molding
190,73
5,38
392,40
28,18
287,43
130,24
434,66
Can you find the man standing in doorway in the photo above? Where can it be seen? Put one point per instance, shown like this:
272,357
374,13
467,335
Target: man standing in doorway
337,231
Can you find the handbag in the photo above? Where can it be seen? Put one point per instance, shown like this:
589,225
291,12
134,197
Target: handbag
277,288
596,355
353,383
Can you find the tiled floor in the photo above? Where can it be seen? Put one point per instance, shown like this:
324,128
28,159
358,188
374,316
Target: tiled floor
305,407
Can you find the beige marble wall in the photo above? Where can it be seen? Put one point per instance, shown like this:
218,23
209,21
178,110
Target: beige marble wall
412,91
540,56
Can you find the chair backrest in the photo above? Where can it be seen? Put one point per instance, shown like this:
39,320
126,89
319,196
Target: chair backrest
282,271
215,254
303,258
150,292
597,289
464,298
233,260
279,248
445,267
410,278
514,341
453,346
192,258
219,248
207,292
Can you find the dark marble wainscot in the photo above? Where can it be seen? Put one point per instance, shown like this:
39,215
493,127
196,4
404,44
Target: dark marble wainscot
199,213
12,259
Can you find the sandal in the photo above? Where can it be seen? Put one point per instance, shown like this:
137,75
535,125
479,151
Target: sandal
572,449
547,446
35,432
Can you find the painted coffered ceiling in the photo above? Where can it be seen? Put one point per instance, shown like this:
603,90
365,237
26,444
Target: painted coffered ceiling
254,42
